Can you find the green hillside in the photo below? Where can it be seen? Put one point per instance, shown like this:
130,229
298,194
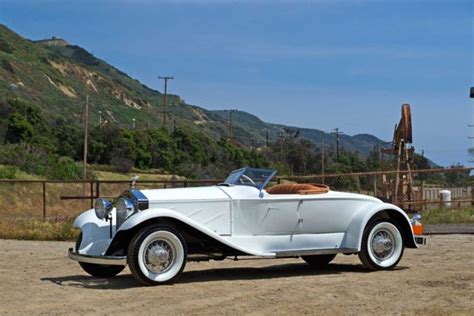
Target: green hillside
57,76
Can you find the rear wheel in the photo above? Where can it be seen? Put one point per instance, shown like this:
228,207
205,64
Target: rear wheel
157,255
382,245
319,261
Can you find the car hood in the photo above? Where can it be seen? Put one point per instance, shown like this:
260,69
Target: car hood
185,194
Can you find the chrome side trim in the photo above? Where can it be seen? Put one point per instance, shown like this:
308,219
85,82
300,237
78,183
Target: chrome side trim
107,260
312,252
421,240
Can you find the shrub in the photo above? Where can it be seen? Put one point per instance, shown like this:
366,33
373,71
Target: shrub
65,168
36,160
5,47
123,165
8,66
7,172
19,129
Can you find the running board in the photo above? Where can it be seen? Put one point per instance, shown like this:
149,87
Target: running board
312,252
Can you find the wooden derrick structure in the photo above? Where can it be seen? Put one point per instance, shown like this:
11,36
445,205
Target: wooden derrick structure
400,189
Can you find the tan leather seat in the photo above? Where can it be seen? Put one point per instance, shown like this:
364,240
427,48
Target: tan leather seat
298,188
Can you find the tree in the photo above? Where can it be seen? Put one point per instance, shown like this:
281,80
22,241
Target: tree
18,130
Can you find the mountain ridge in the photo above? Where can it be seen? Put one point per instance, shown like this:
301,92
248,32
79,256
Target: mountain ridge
58,78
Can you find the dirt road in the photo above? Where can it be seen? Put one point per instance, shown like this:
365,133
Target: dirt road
37,278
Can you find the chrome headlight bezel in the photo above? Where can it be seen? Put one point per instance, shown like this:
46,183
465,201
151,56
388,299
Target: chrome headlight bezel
124,208
102,208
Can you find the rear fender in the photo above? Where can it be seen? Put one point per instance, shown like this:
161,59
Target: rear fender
354,234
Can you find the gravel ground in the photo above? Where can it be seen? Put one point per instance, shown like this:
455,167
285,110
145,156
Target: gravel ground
37,278
433,229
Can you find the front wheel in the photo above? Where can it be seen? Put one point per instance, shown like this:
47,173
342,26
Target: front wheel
382,245
101,270
98,270
319,261
157,255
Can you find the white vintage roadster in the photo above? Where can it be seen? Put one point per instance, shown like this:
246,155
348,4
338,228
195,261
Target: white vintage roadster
155,232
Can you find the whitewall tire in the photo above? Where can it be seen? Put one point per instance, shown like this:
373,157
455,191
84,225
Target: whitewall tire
157,255
382,245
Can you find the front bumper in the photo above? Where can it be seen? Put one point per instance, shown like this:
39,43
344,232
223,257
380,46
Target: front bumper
420,240
106,260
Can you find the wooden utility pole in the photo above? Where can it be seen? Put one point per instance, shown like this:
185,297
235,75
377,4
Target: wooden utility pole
86,134
86,124
322,160
337,132
230,125
471,95
266,138
165,103
422,186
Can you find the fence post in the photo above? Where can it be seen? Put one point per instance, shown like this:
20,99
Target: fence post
185,183
97,188
92,194
44,200
472,195
375,185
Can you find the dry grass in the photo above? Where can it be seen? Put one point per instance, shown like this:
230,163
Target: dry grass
455,215
32,229
107,175
21,205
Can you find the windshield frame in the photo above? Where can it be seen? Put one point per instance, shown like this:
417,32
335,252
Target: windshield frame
235,175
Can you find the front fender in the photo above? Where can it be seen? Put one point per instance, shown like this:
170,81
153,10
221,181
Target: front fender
355,232
95,233
152,213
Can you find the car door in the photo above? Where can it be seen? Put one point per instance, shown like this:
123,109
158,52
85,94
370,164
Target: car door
278,214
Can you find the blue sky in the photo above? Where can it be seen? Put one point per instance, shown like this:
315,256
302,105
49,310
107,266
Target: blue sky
319,64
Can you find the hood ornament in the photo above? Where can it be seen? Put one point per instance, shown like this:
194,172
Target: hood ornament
133,181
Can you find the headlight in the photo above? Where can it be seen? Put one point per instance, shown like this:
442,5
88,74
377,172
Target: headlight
102,208
124,209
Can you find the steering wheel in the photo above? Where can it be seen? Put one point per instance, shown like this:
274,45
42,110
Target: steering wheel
247,178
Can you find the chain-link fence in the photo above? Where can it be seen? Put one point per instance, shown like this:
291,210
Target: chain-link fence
415,190
412,190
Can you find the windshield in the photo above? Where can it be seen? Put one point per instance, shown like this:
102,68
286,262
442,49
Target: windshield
258,178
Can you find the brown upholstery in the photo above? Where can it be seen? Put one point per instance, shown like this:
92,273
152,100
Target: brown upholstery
298,188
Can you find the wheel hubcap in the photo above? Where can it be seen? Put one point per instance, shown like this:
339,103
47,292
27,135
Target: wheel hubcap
383,244
158,256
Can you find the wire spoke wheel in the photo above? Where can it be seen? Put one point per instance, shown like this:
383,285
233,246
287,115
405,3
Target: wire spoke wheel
382,246
157,255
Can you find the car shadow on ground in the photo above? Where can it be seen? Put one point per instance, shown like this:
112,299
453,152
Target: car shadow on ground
269,272
126,281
